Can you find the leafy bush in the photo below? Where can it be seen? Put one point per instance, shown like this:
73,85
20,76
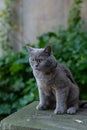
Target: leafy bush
17,85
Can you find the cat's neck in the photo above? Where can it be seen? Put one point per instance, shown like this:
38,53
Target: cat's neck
46,76
51,71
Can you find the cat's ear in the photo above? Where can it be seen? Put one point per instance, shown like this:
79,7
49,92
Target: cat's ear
47,50
30,49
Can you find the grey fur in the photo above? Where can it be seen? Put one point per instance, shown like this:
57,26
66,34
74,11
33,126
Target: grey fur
56,86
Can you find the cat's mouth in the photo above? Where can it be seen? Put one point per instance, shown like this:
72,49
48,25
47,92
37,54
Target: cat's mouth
37,68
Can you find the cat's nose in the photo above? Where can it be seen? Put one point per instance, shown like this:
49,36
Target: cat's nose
36,65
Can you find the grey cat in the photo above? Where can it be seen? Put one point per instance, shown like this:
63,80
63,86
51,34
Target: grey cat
56,86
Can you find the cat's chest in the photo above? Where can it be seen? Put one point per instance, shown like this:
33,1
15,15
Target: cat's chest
43,79
47,83
46,86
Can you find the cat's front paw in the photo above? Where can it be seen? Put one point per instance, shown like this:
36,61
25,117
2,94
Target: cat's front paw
71,110
59,111
41,107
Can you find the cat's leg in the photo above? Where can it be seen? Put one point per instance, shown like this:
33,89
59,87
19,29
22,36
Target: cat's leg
73,105
61,98
44,102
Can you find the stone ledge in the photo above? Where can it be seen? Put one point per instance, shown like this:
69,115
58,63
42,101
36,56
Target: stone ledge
28,118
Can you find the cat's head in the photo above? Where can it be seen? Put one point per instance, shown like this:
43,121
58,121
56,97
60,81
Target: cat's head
41,59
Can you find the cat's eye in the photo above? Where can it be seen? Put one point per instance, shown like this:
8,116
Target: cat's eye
33,59
40,60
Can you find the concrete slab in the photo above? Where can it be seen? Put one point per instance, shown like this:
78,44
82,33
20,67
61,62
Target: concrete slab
28,118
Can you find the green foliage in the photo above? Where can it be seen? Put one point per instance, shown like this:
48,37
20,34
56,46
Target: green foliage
17,85
5,28
74,14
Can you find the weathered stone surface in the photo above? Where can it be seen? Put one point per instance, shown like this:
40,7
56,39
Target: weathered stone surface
29,118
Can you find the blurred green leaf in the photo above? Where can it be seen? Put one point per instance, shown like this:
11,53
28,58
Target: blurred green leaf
5,109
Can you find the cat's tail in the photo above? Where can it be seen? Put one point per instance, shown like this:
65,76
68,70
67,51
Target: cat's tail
83,103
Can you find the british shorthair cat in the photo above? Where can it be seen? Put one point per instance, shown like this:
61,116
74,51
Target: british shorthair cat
56,86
